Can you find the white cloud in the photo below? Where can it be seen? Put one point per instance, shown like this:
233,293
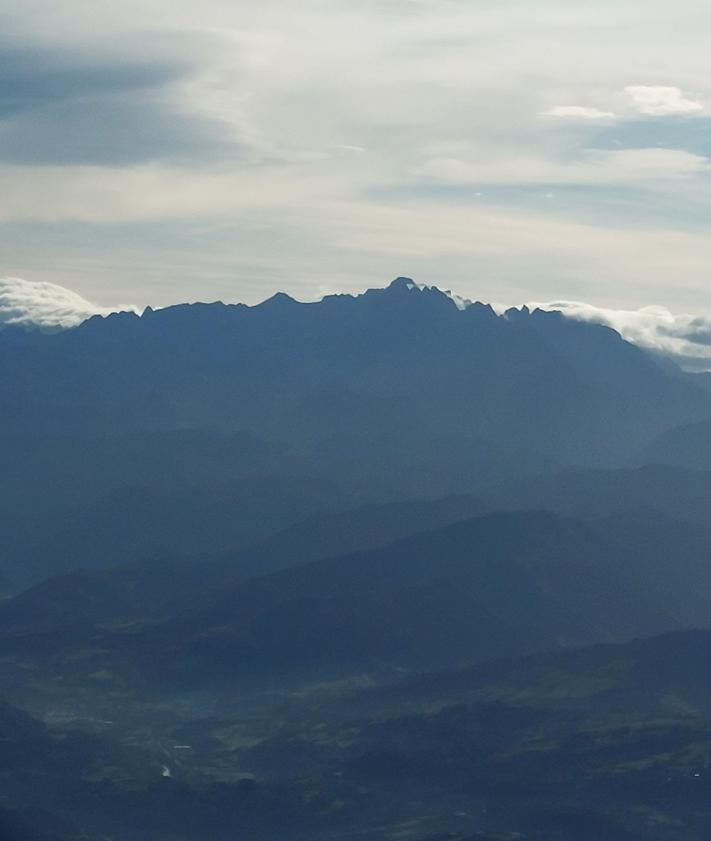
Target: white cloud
579,112
662,101
650,100
646,167
683,337
25,302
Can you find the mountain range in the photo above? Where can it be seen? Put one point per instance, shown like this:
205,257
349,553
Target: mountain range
380,566
391,394
400,362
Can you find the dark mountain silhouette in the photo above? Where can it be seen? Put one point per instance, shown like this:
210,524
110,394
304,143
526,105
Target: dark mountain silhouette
396,387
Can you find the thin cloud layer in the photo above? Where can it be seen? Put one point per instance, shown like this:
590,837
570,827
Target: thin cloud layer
579,112
28,303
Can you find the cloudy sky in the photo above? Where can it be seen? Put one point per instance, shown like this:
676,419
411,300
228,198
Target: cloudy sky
166,150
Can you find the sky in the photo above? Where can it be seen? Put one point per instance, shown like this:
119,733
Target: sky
154,152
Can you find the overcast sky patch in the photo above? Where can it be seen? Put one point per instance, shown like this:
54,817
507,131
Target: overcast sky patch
245,129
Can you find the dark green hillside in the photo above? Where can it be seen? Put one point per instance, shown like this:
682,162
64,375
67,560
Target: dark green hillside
482,588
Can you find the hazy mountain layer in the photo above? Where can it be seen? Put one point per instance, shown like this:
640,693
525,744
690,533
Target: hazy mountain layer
332,571
398,385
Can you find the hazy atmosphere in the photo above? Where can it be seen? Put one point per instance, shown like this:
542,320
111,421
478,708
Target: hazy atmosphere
356,420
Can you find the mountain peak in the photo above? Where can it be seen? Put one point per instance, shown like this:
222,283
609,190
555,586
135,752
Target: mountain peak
406,284
278,299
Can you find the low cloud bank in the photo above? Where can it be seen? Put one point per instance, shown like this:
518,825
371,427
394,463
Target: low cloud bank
684,338
30,303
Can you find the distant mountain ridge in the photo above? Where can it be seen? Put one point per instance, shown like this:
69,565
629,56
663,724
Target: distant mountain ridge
437,392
